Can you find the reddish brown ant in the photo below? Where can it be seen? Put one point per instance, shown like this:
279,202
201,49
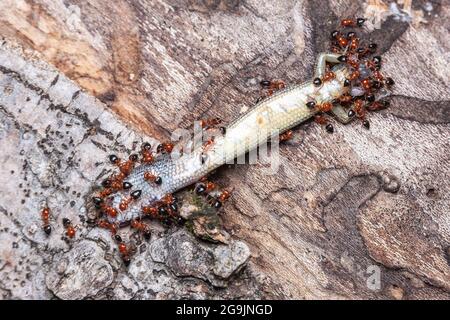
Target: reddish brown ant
218,201
146,152
169,201
342,41
272,86
328,76
110,211
126,167
141,227
286,135
352,23
115,182
322,120
345,99
100,204
210,186
378,76
150,211
353,63
150,177
208,144
325,107
124,252
224,196
354,75
210,123
107,225
165,147
70,229
45,215
358,106
123,205
106,192
354,44
366,84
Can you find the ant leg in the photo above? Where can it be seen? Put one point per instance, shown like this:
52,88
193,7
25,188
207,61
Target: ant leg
341,114
322,63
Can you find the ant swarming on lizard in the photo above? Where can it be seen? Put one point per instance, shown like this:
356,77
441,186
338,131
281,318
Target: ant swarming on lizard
345,85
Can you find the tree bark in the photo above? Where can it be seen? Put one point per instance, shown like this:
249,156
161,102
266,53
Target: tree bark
357,214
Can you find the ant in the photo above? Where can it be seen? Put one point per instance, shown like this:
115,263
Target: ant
166,208
100,204
208,144
286,136
358,106
123,205
110,211
124,167
171,202
70,229
208,184
204,186
352,23
150,211
123,250
366,84
328,76
107,225
146,152
272,86
322,120
165,147
325,107
223,196
150,177
210,123
141,227
45,215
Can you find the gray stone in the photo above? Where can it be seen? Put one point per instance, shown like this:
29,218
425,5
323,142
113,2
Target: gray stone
80,273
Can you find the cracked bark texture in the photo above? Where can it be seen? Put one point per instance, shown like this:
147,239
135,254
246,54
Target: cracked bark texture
81,79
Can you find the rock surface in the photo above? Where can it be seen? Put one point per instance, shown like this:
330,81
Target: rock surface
356,214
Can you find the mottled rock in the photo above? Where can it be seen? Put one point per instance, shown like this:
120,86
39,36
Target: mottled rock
125,288
79,273
230,259
22,267
187,257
